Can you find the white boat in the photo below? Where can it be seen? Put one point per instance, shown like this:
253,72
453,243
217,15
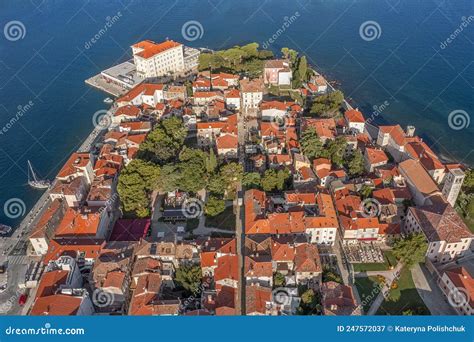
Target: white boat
33,180
108,100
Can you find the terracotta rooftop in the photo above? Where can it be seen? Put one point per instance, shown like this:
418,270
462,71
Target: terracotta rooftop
151,49
418,176
375,155
353,115
440,222
56,305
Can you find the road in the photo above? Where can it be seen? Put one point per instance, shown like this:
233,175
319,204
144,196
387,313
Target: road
239,218
430,292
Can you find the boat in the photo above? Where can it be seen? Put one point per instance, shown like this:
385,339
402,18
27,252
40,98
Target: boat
5,230
33,180
108,100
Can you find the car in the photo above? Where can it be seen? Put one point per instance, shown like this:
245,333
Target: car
22,299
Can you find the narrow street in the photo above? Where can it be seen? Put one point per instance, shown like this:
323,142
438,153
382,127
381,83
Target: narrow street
239,218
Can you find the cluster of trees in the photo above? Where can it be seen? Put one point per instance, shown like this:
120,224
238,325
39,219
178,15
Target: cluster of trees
270,181
330,274
164,163
310,303
135,184
165,142
312,147
410,250
327,105
465,201
189,278
247,58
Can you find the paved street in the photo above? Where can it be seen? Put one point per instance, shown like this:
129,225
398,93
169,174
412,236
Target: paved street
430,292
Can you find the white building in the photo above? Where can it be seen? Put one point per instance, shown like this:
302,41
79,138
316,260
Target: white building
420,183
154,60
232,99
458,286
452,185
355,120
251,93
447,235
394,140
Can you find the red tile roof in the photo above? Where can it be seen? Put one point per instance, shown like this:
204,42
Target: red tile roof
151,49
56,305
227,141
375,155
353,115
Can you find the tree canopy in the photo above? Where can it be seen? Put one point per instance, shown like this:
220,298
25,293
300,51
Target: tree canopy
327,105
356,164
214,206
135,184
311,144
410,250
164,143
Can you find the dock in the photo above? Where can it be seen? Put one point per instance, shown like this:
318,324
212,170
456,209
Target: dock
117,80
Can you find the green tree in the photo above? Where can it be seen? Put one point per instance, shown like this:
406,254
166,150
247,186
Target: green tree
135,183
308,297
356,164
291,54
251,180
265,54
231,175
366,191
327,105
211,162
410,250
311,144
269,180
193,169
331,275
303,68
214,206
189,277
469,180
251,50
278,279
164,143
216,185
169,179
335,150
282,176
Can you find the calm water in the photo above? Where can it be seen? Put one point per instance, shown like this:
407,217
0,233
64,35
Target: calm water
405,68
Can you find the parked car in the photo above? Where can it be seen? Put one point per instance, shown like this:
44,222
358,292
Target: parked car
22,299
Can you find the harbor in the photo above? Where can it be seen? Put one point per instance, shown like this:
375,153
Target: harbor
116,80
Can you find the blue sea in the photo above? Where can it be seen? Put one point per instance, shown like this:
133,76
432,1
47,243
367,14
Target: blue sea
399,61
